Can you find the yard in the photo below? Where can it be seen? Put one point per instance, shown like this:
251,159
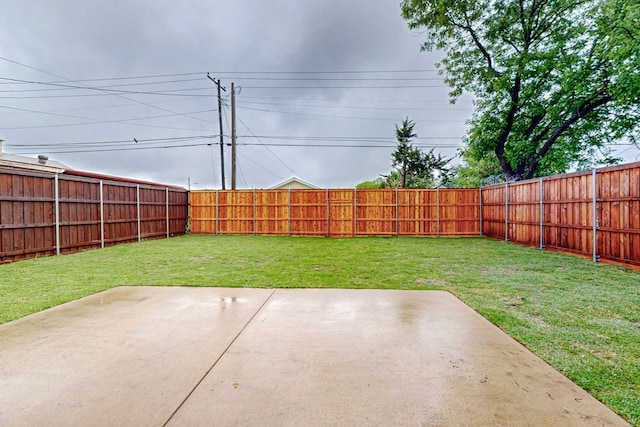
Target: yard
580,317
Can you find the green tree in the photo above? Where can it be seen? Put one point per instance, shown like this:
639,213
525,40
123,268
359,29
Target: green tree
555,81
377,183
413,168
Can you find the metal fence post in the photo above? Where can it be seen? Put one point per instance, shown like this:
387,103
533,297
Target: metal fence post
289,211
138,212
438,211
167,198
355,212
541,213
397,212
480,189
56,189
102,214
595,215
506,212
327,209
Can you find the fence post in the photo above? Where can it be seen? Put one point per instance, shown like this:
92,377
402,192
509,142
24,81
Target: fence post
327,209
541,213
397,213
438,211
56,189
167,208
254,211
289,211
217,232
506,211
355,212
138,212
102,214
595,215
480,189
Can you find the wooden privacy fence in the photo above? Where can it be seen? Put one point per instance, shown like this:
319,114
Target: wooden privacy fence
594,213
338,213
44,214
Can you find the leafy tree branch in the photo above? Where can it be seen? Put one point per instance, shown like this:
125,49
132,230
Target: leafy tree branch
554,81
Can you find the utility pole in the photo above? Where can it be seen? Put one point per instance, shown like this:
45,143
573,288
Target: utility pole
221,131
233,136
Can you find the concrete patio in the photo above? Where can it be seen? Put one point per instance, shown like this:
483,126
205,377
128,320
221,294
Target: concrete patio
235,356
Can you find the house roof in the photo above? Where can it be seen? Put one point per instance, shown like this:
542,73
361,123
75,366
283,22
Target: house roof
40,164
119,179
43,164
294,182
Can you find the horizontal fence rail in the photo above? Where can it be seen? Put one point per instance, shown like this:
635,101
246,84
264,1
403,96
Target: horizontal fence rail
44,214
337,212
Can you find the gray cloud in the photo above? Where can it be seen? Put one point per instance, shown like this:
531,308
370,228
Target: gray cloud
80,40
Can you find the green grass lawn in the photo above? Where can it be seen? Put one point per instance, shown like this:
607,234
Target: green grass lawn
581,317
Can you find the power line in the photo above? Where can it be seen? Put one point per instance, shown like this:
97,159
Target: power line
377,100
118,95
328,145
137,141
70,87
330,72
59,86
355,143
84,108
93,121
261,166
242,175
267,148
347,107
331,139
348,87
113,92
104,79
338,79
332,116
179,92
348,138
227,73
133,148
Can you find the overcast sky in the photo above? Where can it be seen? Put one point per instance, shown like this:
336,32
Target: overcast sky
330,78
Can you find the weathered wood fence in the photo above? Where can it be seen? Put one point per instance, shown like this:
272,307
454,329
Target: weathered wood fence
338,213
43,214
594,213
